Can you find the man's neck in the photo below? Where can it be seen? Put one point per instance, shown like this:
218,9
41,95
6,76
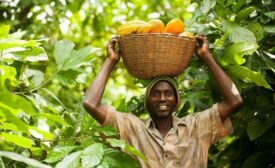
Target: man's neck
163,124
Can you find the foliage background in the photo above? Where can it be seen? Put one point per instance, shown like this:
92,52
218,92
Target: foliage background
51,51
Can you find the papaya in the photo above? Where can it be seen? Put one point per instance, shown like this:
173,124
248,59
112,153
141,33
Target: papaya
174,26
187,34
157,26
134,26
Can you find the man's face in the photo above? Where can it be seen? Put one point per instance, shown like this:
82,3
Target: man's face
162,99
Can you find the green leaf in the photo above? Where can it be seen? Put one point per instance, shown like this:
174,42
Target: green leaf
234,53
16,139
31,54
92,155
117,159
269,28
68,77
243,14
9,43
237,33
53,117
7,73
20,158
36,76
58,153
206,5
40,133
117,143
5,29
248,75
257,29
270,14
62,51
17,102
78,58
70,161
257,160
131,150
257,126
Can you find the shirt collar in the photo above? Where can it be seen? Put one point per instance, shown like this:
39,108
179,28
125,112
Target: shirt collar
176,122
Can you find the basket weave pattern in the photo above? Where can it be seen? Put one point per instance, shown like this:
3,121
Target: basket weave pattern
149,55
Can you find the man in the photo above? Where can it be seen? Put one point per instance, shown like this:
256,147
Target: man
167,141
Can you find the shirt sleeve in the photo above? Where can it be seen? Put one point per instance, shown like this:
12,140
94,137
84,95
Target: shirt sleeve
210,124
126,124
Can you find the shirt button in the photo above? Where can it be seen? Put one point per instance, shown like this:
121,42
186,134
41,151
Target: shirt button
166,155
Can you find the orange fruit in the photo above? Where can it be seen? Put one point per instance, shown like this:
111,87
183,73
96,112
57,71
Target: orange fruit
187,34
157,26
174,26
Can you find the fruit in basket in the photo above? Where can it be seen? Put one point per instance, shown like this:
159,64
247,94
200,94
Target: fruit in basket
134,26
187,34
157,26
174,26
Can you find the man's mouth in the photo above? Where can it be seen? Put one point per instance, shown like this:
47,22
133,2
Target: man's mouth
163,107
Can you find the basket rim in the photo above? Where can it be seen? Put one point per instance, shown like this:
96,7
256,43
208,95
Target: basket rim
167,35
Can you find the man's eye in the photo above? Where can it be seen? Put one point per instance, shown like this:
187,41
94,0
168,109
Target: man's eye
169,93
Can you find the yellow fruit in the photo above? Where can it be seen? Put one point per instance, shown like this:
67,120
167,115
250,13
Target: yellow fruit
174,26
134,26
157,26
187,34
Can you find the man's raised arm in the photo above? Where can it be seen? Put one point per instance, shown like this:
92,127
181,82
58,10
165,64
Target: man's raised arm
232,99
92,102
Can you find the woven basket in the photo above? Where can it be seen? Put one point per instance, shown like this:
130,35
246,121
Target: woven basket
149,55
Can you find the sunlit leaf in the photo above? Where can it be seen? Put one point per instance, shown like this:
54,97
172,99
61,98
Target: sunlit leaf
92,155
269,28
4,30
53,117
70,161
246,74
62,51
206,5
237,33
36,76
58,153
117,143
78,58
243,14
16,139
234,53
20,158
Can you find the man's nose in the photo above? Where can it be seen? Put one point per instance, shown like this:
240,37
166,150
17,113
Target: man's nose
162,97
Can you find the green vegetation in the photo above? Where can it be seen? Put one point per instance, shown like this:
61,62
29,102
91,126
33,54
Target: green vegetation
51,50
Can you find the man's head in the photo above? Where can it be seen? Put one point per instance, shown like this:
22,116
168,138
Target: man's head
162,97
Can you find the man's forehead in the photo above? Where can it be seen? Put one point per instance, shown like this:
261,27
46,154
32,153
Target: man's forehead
162,84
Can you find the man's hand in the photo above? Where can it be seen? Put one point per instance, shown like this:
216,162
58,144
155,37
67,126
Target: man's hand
111,52
202,50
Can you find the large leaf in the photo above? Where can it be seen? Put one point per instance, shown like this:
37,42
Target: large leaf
243,14
117,143
206,5
35,76
234,53
70,161
92,155
78,58
257,29
62,51
9,43
270,14
20,158
16,139
7,73
4,30
53,117
257,160
31,54
238,33
58,153
248,75
269,28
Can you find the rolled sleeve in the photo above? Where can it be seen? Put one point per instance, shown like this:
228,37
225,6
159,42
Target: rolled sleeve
219,129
